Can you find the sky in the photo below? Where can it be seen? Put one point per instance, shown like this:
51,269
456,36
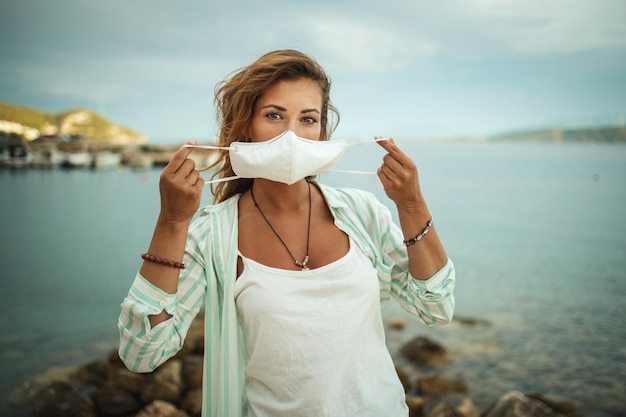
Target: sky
401,68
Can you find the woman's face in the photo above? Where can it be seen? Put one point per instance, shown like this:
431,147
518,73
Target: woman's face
288,105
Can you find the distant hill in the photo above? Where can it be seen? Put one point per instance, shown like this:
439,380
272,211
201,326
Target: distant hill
616,134
84,123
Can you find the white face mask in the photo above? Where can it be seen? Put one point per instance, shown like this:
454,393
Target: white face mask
287,158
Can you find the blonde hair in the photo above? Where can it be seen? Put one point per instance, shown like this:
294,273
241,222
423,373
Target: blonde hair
236,97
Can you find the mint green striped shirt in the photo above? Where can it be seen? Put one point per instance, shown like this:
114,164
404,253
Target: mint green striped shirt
208,281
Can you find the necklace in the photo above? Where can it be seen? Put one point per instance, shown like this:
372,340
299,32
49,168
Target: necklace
305,261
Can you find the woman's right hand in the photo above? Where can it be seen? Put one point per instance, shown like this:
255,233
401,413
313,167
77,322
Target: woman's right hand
181,188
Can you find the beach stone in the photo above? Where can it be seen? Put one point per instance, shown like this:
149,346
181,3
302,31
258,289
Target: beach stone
424,351
59,399
566,408
397,323
115,360
170,371
438,385
192,402
443,409
159,408
405,379
467,321
96,372
467,408
127,380
516,404
114,401
415,404
156,389
192,371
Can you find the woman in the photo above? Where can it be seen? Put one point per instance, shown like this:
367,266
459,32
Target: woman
291,273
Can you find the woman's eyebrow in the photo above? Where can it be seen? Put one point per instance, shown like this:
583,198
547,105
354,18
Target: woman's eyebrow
280,108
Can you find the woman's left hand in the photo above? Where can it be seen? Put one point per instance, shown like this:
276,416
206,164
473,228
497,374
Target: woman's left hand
399,177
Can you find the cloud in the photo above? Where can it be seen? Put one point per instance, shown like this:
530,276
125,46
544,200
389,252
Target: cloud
552,26
352,45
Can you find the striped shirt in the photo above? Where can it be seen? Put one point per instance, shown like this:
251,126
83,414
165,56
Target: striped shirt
208,282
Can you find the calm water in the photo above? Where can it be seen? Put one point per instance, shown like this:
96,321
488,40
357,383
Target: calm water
537,233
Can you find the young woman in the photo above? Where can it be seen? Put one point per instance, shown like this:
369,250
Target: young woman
290,273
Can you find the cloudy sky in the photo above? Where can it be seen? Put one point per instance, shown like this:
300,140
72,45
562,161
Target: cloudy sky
403,68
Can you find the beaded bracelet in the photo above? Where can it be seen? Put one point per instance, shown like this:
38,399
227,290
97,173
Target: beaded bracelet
161,261
421,235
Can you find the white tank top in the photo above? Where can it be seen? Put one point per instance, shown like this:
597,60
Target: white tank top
316,341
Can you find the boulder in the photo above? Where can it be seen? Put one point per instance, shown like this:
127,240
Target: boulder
112,401
96,372
516,404
170,371
59,399
443,409
561,406
415,404
192,402
467,408
424,351
405,379
438,385
155,389
192,371
127,380
160,408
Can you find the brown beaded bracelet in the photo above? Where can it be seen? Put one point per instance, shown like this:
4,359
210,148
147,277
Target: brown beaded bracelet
411,241
161,261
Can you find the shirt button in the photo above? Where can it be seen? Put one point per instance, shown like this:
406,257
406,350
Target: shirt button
162,303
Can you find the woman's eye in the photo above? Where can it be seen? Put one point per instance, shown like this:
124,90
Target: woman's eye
309,120
273,116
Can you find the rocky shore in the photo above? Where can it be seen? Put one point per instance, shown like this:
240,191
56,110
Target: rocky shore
105,388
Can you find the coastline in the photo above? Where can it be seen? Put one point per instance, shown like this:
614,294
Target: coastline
104,387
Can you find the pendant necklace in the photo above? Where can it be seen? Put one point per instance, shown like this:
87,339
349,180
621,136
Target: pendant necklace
305,261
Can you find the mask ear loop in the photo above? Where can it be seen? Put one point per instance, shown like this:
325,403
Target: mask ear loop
349,171
211,147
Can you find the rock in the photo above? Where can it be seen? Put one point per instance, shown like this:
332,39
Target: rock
415,404
160,390
405,379
170,371
115,360
112,401
96,372
425,352
192,371
396,323
467,408
160,408
192,402
467,321
438,385
564,407
59,399
516,404
443,409
127,380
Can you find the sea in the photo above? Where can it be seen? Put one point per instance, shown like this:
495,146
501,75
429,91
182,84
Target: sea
537,233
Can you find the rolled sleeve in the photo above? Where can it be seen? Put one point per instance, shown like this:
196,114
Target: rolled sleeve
154,298
442,283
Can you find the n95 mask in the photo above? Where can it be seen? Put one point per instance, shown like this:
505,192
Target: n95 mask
286,158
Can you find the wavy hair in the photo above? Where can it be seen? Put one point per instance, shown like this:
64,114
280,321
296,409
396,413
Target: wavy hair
237,95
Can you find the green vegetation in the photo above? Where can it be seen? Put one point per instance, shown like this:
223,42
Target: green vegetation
83,123
25,116
611,134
